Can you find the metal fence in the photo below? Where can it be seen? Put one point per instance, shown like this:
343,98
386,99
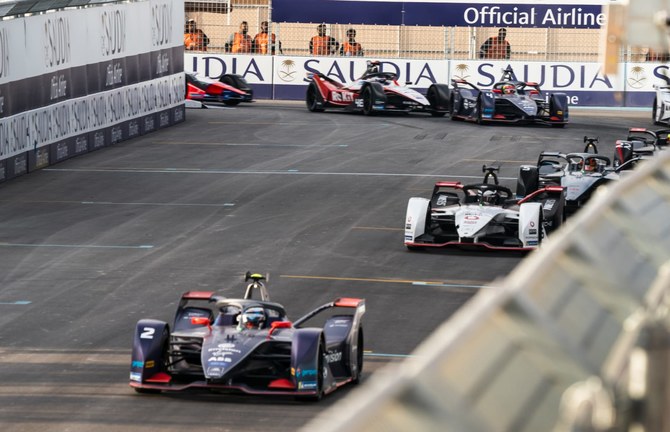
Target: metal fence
219,20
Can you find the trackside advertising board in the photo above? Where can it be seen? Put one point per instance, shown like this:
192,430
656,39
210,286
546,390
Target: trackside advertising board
478,13
286,77
77,80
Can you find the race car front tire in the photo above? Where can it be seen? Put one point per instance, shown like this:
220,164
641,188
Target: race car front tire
438,96
367,101
311,98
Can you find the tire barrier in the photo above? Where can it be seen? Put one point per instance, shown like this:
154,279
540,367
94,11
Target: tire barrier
576,338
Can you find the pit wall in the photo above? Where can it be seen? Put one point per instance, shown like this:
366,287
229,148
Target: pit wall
286,77
74,81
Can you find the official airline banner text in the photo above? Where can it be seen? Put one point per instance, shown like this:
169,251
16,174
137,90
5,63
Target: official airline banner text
520,13
283,77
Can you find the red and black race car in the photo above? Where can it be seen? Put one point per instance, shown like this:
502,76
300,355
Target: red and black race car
230,89
375,92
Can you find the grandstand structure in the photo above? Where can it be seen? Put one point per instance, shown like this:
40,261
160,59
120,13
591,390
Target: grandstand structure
219,19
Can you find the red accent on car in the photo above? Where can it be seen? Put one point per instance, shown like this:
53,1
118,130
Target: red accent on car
160,377
534,92
452,184
281,383
497,91
279,324
498,116
539,191
197,295
347,302
554,118
202,321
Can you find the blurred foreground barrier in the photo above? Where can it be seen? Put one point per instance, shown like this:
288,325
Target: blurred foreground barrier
575,339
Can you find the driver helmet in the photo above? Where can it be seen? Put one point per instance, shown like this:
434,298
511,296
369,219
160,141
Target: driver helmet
373,67
489,197
592,165
253,318
508,89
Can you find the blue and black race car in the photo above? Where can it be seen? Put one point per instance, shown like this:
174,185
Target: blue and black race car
250,346
508,101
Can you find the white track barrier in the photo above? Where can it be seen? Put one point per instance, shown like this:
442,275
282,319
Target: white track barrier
574,339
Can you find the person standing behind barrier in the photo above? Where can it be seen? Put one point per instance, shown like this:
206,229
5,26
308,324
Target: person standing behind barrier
263,40
240,42
496,47
351,47
194,38
321,44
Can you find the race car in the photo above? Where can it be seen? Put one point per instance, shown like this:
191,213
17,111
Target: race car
374,92
230,89
508,101
482,215
249,345
579,174
640,144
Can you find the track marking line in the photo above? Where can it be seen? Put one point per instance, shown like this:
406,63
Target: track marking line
449,283
378,228
3,244
250,144
18,302
287,172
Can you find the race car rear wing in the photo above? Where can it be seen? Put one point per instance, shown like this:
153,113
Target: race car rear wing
344,302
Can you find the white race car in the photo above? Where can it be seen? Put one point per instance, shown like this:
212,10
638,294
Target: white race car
482,215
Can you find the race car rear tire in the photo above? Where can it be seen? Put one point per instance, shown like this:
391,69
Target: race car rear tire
311,98
654,109
438,97
367,101
232,102
359,357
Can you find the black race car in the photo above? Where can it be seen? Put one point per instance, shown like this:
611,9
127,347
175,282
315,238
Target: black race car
249,345
640,144
509,101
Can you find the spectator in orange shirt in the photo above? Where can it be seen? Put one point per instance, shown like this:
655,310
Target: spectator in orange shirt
265,42
321,44
496,47
351,47
240,42
194,38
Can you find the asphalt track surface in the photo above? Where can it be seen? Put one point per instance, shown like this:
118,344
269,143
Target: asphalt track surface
317,201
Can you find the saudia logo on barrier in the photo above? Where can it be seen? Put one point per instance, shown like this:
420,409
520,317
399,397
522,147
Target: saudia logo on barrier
420,73
557,76
161,24
57,50
113,32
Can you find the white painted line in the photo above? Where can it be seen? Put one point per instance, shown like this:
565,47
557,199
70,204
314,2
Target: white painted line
288,172
2,244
